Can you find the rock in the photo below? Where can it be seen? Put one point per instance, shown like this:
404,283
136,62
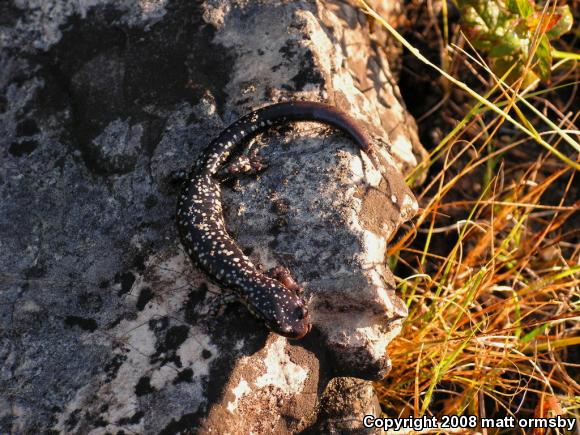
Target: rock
343,406
105,326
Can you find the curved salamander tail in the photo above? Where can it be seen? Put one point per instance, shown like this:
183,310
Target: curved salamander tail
276,114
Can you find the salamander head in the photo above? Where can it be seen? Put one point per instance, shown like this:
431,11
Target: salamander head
284,312
293,320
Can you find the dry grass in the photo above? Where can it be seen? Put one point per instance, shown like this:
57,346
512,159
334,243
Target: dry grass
490,270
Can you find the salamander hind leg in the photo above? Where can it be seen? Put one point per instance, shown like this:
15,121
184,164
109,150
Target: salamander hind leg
221,303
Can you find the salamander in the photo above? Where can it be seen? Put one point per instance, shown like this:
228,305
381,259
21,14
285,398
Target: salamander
202,228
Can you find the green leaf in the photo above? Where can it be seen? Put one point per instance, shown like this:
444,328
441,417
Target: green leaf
543,59
509,44
534,333
491,13
505,31
564,23
524,8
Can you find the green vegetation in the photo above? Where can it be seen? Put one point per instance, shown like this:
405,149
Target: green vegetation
515,35
490,269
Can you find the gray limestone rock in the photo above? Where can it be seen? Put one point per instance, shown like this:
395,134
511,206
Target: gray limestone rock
105,326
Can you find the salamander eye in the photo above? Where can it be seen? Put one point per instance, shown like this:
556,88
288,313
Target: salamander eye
300,312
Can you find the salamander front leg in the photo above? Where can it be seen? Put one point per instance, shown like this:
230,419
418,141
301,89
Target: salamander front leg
284,277
244,165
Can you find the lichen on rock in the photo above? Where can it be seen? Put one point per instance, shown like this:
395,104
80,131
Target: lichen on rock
105,326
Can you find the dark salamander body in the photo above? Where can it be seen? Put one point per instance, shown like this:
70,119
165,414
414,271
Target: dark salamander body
202,228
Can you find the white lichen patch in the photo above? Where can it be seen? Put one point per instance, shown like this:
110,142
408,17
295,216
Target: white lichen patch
239,344
119,139
364,171
81,397
238,391
43,20
264,257
161,376
362,331
403,148
377,338
152,9
281,372
190,353
374,247
267,377
320,41
166,276
31,306
409,206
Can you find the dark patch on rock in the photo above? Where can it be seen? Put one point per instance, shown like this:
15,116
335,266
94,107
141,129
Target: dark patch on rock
9,14
206,354
308,74
274,243
195,297
3,104
185,424
23,148
166,350
100,422
185,375
27,127
127,315
113,72
240,324
151,201
113,366
139,261
73,419
126,280
175,337
134,419
86,324
36,271
90,301
144,387
144,297
279,225
289,49
158,323
248,250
